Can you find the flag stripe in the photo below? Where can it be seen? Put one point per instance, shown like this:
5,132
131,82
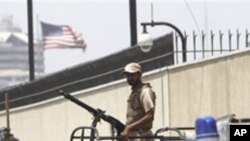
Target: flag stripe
63,36
63,42
72,39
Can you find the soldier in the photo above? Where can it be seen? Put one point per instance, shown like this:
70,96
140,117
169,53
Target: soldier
5,135
141,104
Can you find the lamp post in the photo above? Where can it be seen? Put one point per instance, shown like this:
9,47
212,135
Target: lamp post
152,23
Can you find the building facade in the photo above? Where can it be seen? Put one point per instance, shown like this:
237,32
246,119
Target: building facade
14,57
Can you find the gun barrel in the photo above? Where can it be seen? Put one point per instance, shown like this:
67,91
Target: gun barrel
96,112
78,102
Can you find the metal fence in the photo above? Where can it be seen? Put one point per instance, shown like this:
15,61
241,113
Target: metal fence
202,45
85,133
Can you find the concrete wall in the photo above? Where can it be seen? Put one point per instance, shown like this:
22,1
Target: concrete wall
215,86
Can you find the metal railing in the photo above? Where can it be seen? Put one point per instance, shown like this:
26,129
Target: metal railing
79,134
202,45
164,134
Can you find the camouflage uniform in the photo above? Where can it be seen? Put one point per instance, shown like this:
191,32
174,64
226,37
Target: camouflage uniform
140,101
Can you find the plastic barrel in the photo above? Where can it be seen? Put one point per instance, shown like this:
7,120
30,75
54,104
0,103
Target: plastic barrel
205,128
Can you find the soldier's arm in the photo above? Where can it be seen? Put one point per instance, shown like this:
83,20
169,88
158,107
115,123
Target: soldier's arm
148,117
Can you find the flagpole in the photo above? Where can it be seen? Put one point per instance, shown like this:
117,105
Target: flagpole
39,43
30,44
38,30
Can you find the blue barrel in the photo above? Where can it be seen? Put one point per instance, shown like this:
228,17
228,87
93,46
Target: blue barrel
205,128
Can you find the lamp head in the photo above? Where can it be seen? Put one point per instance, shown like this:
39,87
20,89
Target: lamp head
145,42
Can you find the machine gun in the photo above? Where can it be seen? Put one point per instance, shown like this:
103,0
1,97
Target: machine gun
97,113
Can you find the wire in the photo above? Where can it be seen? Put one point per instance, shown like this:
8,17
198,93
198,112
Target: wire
193,16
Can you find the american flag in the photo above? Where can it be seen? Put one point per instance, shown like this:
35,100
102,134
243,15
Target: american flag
61,36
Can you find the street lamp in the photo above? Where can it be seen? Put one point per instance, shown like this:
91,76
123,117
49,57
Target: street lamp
146,42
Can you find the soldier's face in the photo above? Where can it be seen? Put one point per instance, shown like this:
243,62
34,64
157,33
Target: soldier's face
133,78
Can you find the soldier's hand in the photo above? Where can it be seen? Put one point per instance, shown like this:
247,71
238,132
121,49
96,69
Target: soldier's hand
125,133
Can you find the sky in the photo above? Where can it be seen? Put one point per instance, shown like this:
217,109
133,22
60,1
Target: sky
105,24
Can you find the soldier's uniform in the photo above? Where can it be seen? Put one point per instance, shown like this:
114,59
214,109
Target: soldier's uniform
140,101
